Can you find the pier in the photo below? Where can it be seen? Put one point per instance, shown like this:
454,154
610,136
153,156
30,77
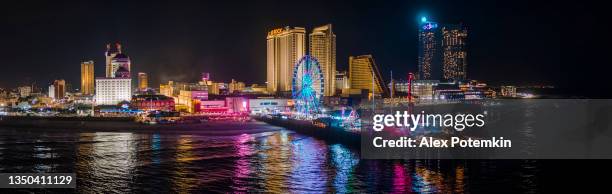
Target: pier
307,127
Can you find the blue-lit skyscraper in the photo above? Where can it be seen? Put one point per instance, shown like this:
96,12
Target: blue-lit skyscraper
430,58
442,51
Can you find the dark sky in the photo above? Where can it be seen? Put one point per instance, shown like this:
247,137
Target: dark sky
509,41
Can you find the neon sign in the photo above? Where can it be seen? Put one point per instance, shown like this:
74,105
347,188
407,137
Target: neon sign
429,26
275,32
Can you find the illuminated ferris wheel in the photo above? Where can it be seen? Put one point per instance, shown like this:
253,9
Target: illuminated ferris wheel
307,86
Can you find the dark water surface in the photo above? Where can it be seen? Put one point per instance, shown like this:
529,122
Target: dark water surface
280,161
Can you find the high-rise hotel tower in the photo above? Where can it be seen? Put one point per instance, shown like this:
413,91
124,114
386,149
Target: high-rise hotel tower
116,87
285,46
454,38
430,60
323,48
143,81
442,51
87,77
364,74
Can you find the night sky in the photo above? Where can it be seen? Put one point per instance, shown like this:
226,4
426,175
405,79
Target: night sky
510,42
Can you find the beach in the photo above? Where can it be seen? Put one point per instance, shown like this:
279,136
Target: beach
124,124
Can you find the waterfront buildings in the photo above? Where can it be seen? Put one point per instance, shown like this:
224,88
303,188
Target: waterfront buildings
285,46
265,105
173,88
153,102
452,91
236,104
191,99
442,51
143,81
419,89
508,91
187,96
235,86
60,89
435,90
213,107
423,89
363,72
87,77
323,48
115,89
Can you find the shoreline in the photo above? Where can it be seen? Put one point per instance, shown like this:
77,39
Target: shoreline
123,124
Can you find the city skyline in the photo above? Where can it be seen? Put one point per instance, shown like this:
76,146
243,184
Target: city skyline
319,96
388,32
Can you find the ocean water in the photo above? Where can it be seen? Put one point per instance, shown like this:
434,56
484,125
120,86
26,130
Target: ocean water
276,161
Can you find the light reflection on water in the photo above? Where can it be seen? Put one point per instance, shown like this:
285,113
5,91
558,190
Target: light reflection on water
276,162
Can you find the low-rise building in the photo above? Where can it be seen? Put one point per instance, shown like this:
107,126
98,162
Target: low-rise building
191,99
153,102
271,105
508,91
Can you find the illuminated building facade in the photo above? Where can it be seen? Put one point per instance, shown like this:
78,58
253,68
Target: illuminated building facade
173,88
363,72
285,46
189,95
153,102
60,89
452,91
430,58
215,88
258,106
342,81
236,104
213,107
323,48
454,38
143,81
508,91
442,51
424,89
115,59
113,90
191,99
87,77
165,89
51,93
235,86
